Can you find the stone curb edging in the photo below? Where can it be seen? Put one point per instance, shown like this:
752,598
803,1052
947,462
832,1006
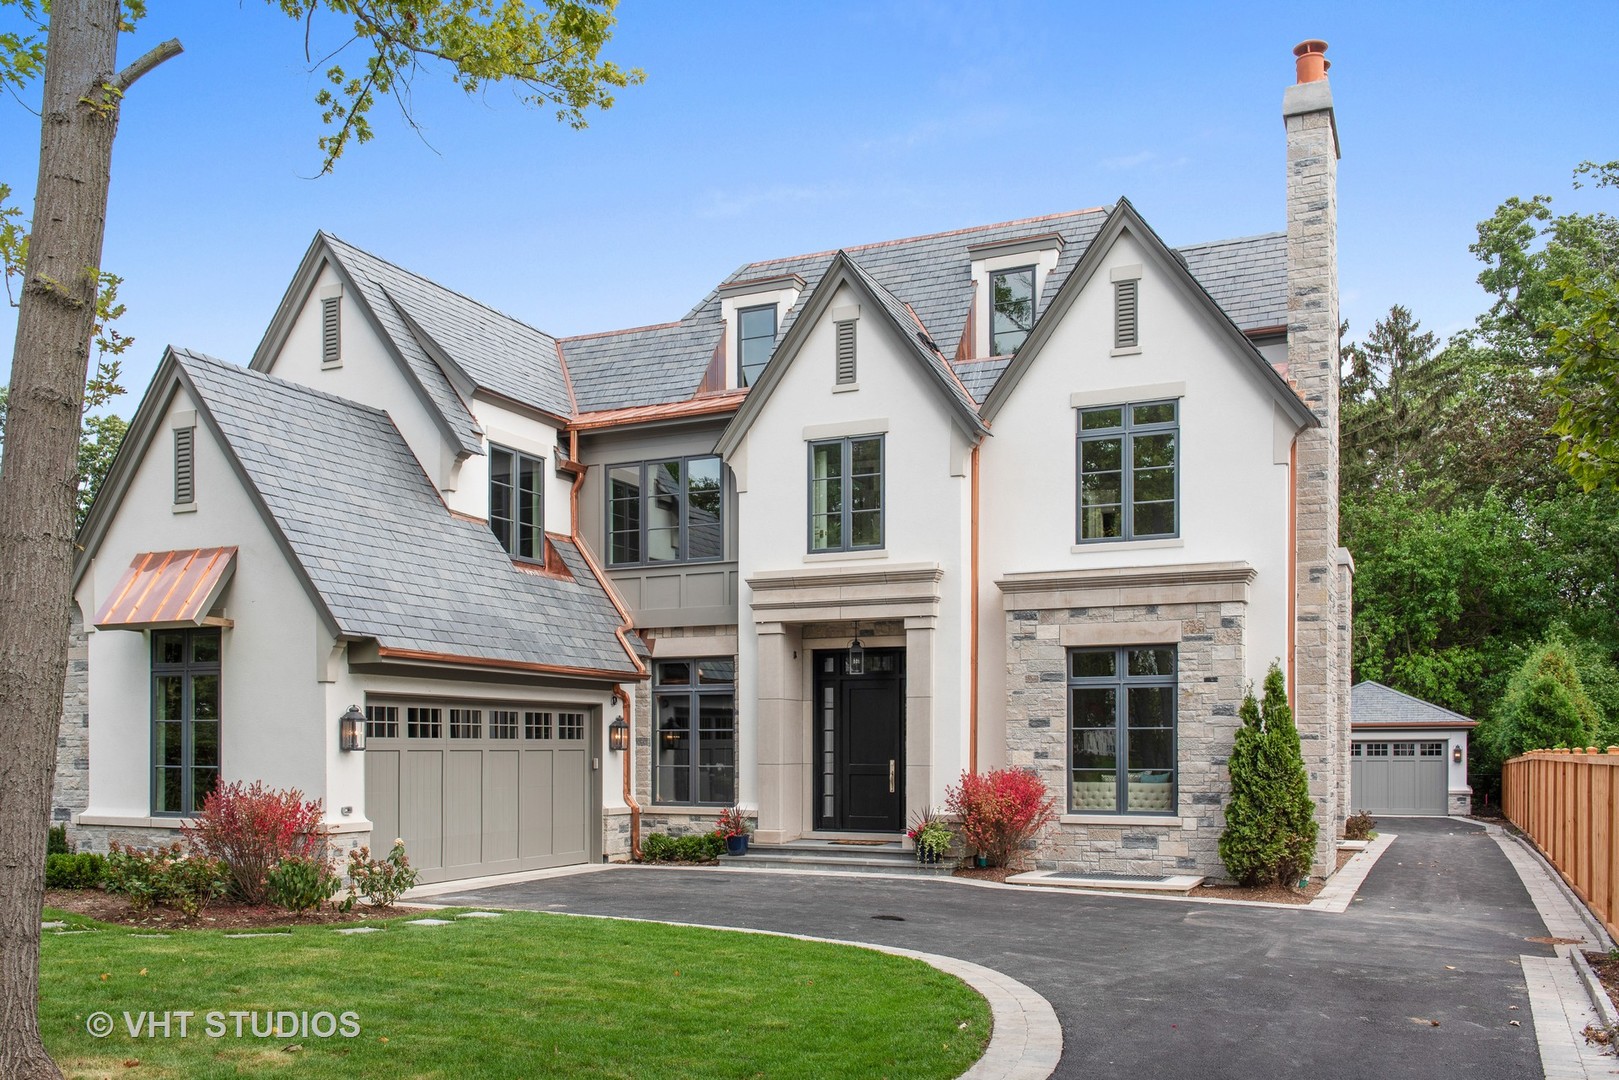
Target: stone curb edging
1025,1039
1593,986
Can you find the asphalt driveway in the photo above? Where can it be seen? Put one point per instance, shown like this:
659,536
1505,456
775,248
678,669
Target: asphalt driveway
1151,988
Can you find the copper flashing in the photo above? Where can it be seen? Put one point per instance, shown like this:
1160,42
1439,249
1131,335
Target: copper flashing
707,405
167,588
496,662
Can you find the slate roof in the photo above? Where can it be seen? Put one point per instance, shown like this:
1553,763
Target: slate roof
495,351
932,276
1373,704
380,548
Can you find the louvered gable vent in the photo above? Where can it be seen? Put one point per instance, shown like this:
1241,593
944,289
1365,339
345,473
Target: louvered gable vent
1125,321
331,350
184,465
846,358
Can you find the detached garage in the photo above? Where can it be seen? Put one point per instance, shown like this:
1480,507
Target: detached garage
1408,757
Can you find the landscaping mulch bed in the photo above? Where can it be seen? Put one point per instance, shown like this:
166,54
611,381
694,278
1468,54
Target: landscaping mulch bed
988,873
1273,894
1606,965
220,915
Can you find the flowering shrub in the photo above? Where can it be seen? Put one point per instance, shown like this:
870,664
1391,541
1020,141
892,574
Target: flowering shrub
164,876
1000,811
251,828
733,821
300,884
380,881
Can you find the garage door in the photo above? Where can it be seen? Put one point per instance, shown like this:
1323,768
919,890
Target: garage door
476,791
1398,777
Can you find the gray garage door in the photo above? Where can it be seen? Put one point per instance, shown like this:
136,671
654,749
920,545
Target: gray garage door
476,791
1398,777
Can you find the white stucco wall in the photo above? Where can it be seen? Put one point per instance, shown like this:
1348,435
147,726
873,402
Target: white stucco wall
275,725
1233,493
515,430
924,501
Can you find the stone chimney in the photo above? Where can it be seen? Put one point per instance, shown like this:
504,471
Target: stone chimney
1320,675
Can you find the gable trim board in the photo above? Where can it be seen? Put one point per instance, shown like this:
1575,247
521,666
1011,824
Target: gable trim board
845,271
1124,218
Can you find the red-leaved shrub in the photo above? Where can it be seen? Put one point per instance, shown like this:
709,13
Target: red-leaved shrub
251,828
1000,811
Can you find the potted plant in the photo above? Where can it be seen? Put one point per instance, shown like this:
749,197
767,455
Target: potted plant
931,836
733,827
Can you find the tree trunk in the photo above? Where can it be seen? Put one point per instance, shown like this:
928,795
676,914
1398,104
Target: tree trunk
37,486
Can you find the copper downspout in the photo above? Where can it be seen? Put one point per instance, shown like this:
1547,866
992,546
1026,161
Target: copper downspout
972,654
1292,564
619,692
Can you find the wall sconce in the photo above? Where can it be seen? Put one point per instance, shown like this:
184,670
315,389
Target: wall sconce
351,729
618,735
1456,753
857,657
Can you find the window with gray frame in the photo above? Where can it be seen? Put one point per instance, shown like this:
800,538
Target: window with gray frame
694,747
185,719
1121,730
665,511
846,494
1129,472
1011,310
517,502
755,341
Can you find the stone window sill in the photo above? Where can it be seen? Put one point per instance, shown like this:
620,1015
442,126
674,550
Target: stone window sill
1157,820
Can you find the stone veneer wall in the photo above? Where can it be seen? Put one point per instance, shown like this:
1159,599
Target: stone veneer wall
71,791
1211,664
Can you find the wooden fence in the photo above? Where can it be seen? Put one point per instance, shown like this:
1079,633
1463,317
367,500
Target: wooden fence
1567,802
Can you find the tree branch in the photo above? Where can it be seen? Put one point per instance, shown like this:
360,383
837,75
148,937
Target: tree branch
165,51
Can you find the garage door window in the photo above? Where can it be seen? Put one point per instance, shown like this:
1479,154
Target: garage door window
503,724
424,723
382,721
1377,749
695,702
466,723
1433,749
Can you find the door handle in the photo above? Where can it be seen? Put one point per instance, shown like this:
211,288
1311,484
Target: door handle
891,776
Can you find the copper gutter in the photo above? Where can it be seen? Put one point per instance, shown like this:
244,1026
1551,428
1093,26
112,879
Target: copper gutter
496,662
972,622
1292,566
629,797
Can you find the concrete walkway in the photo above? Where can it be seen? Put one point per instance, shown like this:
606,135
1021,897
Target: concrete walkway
1422,976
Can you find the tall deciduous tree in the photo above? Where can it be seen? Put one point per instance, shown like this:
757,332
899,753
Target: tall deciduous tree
550,49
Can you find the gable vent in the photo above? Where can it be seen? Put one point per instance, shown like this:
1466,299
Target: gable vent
331,351
1125,322
846,370
184,465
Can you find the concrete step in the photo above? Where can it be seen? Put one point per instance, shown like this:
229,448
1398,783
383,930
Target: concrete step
1175,883
821,855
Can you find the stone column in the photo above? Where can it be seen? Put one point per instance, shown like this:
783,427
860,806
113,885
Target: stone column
1312,363
919,662
776,712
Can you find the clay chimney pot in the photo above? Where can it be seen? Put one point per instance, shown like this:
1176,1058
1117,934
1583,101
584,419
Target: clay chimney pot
1312,60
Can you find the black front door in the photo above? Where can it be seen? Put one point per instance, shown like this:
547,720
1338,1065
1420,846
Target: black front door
860,741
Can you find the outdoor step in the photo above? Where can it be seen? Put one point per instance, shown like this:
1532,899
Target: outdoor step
782,857
821,849
1067,879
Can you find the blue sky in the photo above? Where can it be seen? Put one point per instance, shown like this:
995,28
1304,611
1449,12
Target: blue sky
771,129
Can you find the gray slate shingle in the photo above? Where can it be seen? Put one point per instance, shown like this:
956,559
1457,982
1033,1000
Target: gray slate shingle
1373,703
373,536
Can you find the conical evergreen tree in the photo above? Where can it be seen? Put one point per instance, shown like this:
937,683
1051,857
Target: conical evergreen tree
1292,810
1249,846
1270,828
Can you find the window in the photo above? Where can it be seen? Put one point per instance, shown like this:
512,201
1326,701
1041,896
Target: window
846,494
1129,481
536,725
1432,749
1377,749
665,511
424,723
185,465
185,719
331,341
503,724
570,725
516,502
466,723
695,741
1405,749
755,340
1121,717
846,357
1126,326
382,721
1011,311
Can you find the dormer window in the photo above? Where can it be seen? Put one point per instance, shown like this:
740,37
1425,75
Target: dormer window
516,503
1011,294
755,339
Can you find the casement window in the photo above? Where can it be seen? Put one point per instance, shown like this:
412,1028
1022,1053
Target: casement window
1129,472
185,719
694,740
1121,730
517,502
665,511
846,494
1011,309
755,340
1126,321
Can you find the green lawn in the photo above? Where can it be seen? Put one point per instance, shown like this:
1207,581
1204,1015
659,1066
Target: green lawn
525,995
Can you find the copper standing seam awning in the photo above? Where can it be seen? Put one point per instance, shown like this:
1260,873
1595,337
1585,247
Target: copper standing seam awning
168,588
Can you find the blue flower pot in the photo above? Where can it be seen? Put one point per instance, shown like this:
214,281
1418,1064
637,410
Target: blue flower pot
736,845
